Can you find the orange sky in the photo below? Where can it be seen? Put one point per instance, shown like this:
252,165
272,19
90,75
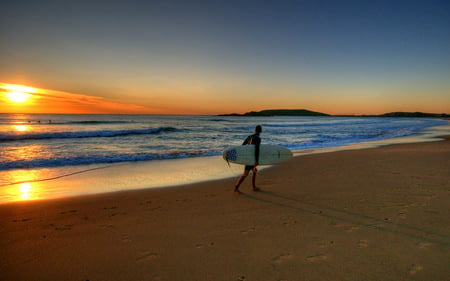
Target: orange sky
52,101
199,101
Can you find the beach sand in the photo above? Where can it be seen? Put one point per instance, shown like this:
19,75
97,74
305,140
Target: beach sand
371,214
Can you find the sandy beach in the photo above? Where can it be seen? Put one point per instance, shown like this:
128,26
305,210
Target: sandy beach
370,214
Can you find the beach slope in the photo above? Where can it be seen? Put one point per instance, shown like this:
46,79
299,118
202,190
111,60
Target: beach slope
372,214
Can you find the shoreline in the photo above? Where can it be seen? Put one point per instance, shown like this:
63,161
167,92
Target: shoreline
373,214
58,183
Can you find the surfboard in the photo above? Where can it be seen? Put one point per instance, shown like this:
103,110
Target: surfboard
245,154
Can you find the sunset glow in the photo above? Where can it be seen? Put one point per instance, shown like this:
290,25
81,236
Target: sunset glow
18,97
17,93
25,99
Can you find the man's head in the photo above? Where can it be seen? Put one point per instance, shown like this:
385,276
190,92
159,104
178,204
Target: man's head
258,129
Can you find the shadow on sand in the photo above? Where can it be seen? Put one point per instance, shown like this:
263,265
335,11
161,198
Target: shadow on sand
346,216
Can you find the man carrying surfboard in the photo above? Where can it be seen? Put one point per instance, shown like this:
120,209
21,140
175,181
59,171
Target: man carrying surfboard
256,141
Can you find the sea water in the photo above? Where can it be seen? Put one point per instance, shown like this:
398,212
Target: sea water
37,148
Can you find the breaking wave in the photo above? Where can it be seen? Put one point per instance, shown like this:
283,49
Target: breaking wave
85,134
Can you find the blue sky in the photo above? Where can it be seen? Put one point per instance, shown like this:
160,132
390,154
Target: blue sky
210,57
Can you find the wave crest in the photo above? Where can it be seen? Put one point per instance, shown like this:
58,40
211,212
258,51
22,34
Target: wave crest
85,134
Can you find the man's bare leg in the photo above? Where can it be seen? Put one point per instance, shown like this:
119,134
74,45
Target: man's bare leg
255,171
239,181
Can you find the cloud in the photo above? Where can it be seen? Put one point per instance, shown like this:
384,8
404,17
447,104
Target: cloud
53,101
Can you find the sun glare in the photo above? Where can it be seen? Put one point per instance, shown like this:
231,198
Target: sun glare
20,128
18,97
18,93
25,190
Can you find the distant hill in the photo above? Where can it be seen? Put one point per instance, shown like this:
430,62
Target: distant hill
414,114
304,112
280,112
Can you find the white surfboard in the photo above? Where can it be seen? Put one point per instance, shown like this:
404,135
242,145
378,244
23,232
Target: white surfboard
245,154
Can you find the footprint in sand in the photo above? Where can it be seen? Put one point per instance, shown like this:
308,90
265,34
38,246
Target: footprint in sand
415,268
183,200
402,214
117,214
429,197
338,225
423,245
326,244
200,245
363,243
316,258
22,220
107,226
282,258
352,228
288,220
65,227
251,229
125,238
145,256
68,212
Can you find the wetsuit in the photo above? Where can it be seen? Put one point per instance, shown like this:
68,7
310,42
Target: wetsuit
256,141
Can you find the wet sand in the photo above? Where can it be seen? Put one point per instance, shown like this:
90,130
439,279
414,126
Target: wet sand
371,214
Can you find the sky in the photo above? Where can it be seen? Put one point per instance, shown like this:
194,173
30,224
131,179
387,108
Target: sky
214,57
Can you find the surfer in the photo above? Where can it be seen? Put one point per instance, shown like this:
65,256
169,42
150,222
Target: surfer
256,141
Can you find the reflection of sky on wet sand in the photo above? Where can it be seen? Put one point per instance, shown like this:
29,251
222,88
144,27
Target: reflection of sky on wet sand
73,181
20,192
24,185
25,190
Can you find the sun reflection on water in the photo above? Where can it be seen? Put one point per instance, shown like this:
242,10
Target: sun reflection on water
21,128
24,185
29,152
25,190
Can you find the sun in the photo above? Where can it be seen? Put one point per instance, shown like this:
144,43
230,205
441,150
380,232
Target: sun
18,93
18,97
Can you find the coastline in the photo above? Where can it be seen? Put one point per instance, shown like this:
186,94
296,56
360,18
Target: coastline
374,214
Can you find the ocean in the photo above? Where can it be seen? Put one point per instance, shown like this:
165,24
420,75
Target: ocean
66,144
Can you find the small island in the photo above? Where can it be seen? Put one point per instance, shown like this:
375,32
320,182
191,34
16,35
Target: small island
279,112
415,114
